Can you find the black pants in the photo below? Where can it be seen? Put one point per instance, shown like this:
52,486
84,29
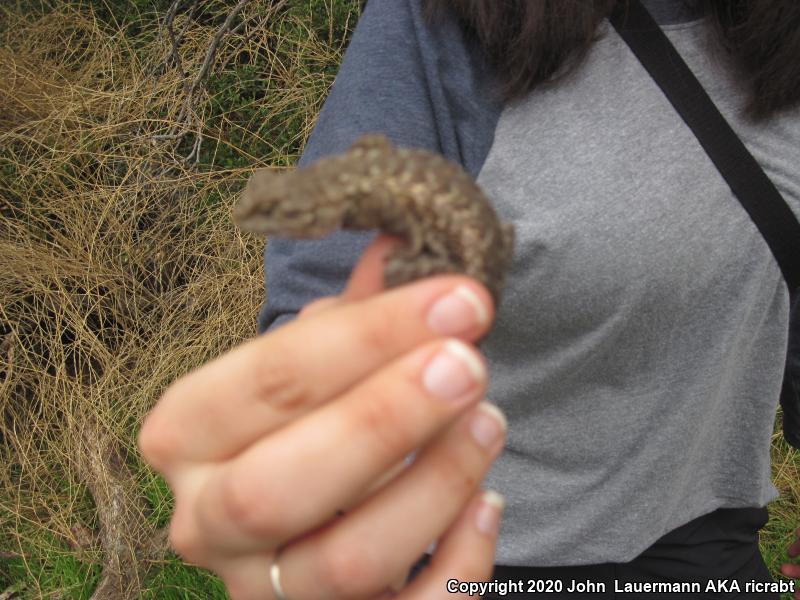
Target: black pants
722,545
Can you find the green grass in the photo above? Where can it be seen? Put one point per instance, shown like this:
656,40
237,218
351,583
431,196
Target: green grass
178,581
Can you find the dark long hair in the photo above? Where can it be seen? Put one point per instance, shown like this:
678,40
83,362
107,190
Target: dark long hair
529,42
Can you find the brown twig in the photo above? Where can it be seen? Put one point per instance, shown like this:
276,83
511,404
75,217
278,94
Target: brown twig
130,543
187,120
253,32
192,14
174,55
201,78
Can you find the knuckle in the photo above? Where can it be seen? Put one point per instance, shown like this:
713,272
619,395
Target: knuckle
183,539
385,422
348,571
316,306
471,567
239,589
248,507
379,330
235,590
456,473
159,442
179,540
279,381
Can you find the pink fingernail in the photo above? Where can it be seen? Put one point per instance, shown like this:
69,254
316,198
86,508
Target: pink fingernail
454,371
457,312
487,518
488,425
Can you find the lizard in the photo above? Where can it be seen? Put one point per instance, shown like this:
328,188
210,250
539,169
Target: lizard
446,220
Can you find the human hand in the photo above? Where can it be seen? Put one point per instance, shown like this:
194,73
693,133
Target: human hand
265,444
792,570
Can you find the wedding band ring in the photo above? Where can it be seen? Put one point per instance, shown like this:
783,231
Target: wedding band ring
275,578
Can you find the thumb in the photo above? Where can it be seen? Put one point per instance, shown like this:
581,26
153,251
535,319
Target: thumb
367,277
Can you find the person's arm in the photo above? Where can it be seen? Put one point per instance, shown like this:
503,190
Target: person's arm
381,86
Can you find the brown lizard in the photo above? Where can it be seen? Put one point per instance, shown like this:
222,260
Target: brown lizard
447,221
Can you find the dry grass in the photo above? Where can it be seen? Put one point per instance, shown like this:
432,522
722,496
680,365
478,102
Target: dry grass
784,512
121,267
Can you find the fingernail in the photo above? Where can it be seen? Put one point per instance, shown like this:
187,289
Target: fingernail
488,425
457,312
487,518
453,371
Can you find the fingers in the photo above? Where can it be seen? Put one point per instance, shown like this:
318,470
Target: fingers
465,553
367,277
318,305
351,557
367,431
259,386
248,577
792,570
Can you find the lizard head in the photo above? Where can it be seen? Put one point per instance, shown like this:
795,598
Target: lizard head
275,203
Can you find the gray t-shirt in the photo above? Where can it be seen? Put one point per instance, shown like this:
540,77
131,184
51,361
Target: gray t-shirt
639,349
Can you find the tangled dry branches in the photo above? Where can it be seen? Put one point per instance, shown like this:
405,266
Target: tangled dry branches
122,269
187,119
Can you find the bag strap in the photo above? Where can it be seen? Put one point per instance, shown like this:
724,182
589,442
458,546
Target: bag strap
747,180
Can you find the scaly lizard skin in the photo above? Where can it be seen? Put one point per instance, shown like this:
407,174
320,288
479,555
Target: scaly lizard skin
446,220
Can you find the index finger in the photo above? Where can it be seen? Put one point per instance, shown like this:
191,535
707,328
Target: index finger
259,386
367,277
365,280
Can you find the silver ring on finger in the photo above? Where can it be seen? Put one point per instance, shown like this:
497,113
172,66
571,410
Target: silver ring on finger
275,578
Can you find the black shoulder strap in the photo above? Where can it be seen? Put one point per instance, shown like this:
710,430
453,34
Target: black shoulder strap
747,180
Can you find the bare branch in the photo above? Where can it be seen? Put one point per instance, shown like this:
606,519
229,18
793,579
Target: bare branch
174,55
187,120
211,53
195,153
192,14
232,55
169,136
130,543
